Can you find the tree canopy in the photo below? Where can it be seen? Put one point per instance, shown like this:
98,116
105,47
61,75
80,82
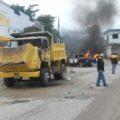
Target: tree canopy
47,21
30,11
17,8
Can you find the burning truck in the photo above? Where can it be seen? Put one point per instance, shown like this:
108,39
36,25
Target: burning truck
81,60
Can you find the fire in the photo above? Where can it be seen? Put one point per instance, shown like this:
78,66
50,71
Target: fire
95,56
87,55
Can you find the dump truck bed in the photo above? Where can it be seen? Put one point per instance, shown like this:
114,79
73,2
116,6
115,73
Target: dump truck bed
58,51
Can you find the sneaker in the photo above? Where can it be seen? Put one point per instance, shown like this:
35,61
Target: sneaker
98,85
106,85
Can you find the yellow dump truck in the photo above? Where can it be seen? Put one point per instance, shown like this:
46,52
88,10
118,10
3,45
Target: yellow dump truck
33,57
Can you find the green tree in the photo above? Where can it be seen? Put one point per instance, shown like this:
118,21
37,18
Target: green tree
47,21
31,29
17,8
30,11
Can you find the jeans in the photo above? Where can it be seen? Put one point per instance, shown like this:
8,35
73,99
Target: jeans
101,77
113,68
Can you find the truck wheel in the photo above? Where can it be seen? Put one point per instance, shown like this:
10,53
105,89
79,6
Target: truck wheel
45,77
9,82
63,71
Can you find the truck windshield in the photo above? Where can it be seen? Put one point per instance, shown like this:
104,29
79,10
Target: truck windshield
33,42
40,43
23,42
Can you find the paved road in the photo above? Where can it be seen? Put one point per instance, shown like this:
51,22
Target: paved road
77,99
105,106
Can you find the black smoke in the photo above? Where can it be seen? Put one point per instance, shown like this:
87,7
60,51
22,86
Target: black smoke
94,18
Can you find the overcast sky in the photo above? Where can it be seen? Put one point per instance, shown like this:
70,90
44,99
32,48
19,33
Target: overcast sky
61,8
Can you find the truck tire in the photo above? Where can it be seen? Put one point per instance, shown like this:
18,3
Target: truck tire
63,71
9,82
45,77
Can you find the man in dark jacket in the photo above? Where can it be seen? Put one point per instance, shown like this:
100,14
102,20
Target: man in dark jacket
100,68
114,61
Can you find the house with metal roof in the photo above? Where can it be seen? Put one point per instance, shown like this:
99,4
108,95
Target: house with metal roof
112,40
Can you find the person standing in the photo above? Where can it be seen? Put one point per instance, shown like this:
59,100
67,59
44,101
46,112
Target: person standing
114,62
100,69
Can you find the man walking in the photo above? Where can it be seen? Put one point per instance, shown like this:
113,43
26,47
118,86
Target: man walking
114,61
100,68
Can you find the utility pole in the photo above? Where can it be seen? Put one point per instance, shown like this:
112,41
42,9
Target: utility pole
58,29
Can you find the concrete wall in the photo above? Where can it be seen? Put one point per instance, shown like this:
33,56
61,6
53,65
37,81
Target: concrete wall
10,22
109,37
108,50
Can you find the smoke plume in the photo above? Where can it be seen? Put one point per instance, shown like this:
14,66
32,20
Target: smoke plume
93,16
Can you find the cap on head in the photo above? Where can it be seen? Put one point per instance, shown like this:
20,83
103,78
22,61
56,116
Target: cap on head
101,55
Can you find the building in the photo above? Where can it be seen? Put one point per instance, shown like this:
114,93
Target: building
112,40
11,22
